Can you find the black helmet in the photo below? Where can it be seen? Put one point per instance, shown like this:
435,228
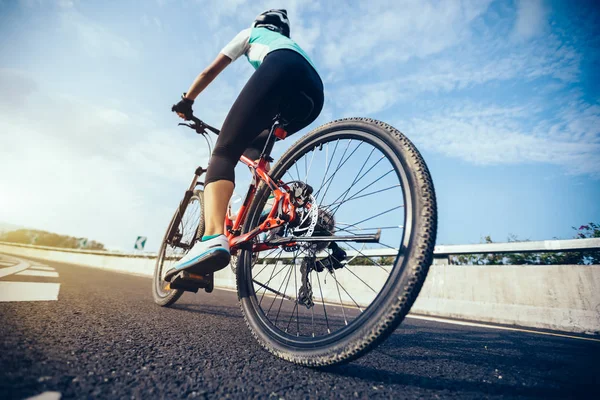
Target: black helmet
275,20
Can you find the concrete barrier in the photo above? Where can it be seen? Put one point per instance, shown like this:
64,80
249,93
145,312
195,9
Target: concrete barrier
558,297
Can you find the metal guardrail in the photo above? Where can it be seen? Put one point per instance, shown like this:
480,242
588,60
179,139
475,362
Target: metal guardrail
440,251
444,251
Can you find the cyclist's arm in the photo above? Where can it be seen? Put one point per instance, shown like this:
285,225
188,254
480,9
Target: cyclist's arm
231,52
205,77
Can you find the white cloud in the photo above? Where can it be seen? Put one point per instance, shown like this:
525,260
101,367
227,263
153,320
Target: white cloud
381,32
66,3
501,135
471,66
531,19
95,39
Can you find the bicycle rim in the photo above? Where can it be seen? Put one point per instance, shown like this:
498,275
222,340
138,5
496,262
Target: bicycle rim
344,297
190,228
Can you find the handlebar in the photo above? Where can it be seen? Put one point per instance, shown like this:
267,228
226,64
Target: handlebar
199,126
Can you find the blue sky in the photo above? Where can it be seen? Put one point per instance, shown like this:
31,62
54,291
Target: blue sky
501,97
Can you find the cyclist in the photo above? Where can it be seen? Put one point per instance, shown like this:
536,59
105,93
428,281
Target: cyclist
285,77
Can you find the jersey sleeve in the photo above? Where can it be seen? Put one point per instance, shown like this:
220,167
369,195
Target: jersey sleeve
238,46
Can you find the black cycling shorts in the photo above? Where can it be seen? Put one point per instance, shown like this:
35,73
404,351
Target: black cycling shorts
283,80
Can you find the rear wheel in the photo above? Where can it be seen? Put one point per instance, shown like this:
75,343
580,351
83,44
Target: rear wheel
189,229
328,303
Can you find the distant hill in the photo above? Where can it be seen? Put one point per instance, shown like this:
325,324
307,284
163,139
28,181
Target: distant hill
4,227
43,238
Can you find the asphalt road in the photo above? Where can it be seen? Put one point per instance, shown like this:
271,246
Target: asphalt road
105,338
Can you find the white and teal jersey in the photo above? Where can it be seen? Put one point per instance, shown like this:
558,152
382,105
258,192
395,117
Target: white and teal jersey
256,43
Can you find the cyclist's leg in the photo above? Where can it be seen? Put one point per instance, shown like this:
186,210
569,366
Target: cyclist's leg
308,82
250,115
253,111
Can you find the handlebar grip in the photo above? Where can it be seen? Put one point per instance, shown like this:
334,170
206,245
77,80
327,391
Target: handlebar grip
213,130
204,125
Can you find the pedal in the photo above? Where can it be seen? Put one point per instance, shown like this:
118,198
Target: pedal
192,282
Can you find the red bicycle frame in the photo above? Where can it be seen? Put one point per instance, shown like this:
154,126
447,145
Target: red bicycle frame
273,220
282,212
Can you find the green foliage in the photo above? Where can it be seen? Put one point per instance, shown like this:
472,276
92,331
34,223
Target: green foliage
372,261
43,238
590,230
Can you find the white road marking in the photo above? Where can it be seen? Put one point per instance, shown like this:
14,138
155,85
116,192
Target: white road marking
46,396
464,323
6,263
42,268
504,328
22,265
29,272
28,291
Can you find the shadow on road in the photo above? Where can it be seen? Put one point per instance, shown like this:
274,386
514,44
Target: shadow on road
471,362
228,312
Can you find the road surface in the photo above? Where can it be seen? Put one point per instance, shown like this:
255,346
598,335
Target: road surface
105,338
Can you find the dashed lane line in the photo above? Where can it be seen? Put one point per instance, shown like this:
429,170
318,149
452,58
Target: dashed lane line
504,328
30,272
41,268
28,291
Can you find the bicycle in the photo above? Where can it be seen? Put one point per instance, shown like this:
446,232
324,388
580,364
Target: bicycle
283,254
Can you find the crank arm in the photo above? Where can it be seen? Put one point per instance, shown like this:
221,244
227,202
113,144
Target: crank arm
312,239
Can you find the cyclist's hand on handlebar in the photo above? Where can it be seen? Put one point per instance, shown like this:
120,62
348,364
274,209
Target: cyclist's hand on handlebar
183,108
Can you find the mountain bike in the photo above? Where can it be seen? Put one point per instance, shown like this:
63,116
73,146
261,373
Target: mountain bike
330,248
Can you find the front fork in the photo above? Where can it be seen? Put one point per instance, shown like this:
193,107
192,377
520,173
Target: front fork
173,236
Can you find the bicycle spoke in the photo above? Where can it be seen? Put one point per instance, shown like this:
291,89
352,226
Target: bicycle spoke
377,215
273,290
367,186
296,305
354,181
265,258
368,258
278,290
360,197
312,309
292,317
344,289
387,245
327,165
349,270
368,229
292,270
270,279
323,301
297,172
340,296
338,168
309,166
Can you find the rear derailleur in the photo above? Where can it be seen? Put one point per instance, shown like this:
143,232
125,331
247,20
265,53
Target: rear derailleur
310,263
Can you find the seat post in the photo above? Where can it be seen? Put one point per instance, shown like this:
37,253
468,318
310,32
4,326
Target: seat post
266,152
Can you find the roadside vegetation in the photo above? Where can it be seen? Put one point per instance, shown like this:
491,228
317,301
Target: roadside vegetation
43,238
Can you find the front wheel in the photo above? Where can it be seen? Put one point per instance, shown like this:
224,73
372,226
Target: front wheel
326,303
188,230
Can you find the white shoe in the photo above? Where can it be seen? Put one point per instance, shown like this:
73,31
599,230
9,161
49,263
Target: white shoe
203,258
